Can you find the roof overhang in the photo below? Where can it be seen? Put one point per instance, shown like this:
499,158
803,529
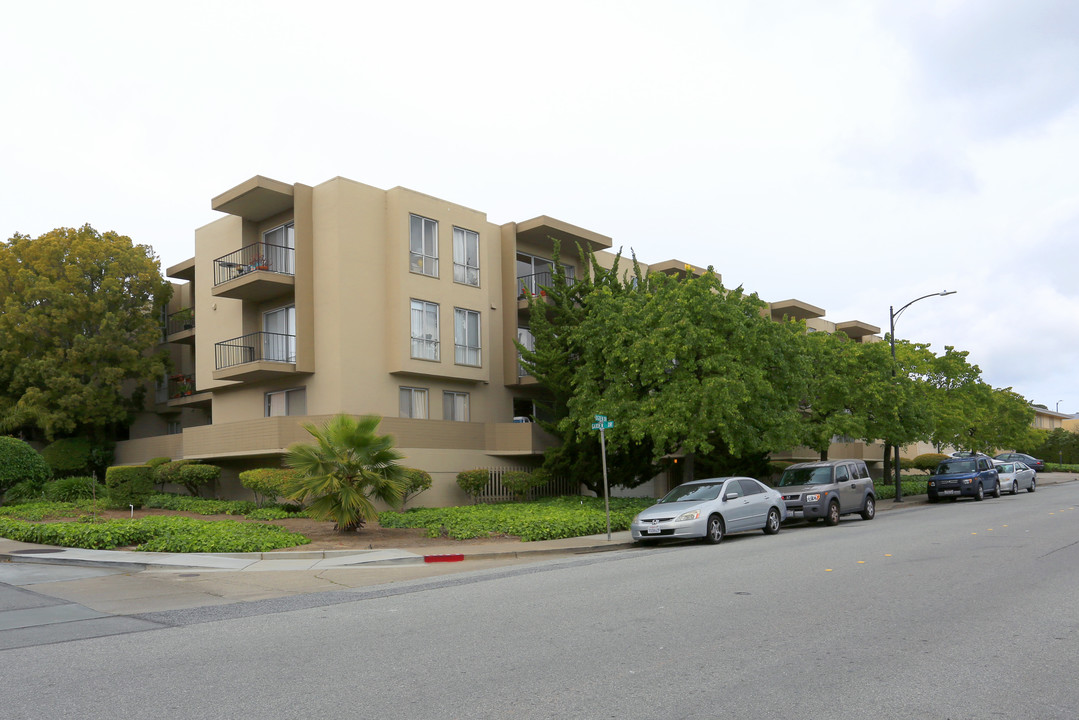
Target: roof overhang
539,229
255,199
795,309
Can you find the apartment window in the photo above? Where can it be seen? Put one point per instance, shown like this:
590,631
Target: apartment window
422,245
466,256
455,406
425,330
173,427
525,337
466,337
413,402
534,273
280,241
279,334
286,402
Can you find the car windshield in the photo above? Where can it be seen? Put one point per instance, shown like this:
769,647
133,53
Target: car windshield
956,466
1006,468
693,493
806,476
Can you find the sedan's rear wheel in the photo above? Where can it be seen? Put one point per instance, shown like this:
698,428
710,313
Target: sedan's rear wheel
1015,486
980,495
771,525
1031,488
832,518
715,530
869,511
996,489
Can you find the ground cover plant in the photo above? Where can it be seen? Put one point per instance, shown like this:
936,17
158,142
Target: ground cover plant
546,519
154,534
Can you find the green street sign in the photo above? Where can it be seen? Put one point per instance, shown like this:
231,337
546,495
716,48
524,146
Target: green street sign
603,425
601,418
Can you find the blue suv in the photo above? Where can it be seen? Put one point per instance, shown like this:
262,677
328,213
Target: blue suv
964,477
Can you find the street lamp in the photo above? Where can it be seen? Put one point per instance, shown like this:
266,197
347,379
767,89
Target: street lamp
1058,405
893,315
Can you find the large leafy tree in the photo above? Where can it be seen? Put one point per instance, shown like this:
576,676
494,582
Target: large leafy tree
80,321
348,464
681,365
837,387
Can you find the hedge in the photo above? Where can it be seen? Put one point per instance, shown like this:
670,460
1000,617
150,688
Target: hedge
129,485
267,483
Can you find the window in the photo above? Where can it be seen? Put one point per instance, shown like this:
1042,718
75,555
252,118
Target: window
422,245
279,334
173,427
466,257
466,337
425,330
525,337
455,406
286,402
841,474
534,273
277,255
413,403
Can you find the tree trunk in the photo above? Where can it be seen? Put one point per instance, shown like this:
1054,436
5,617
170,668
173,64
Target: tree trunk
887,477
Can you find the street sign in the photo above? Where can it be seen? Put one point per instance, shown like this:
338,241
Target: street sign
603,425
601,418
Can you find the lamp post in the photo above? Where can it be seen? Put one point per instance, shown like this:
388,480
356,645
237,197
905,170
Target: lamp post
893,315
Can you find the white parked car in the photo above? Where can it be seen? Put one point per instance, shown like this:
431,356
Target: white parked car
711,509
1016,476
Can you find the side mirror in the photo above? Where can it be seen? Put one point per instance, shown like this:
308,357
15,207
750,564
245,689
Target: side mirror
731,496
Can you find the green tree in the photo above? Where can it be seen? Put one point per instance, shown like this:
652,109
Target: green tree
835,401
21,463
685,365
80,321
346,466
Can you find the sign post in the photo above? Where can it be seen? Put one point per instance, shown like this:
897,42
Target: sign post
601,424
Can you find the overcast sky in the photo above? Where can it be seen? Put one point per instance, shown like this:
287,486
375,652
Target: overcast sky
853,155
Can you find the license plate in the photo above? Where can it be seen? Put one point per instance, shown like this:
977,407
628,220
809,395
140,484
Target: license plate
948,492
652,530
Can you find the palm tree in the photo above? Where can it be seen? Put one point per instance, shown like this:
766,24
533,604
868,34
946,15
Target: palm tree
346,466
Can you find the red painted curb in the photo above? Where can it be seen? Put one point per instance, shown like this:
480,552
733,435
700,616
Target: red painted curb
443,558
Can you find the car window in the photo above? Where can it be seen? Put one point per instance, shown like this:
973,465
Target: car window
806,476
956,466
841,474
860,470
732,487
693,493
983,464
1019,466
750,487
1006,467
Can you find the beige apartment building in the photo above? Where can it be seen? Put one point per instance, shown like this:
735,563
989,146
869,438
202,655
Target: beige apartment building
303,302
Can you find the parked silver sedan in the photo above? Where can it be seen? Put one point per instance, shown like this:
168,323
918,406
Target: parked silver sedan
1016,476
711,509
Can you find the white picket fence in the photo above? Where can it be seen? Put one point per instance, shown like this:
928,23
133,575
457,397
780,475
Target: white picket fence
495,492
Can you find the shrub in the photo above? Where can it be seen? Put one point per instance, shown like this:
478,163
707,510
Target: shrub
473,482
129,485
267,483
928,462
520,482
416,481
70,489
188,474
202,506
157,461
19,462
68,457
25,491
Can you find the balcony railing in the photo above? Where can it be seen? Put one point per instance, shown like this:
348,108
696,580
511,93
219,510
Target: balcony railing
259,256
255,347
535,284
180,321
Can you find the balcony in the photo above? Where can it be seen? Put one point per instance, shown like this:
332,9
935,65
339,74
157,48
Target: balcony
180,326
255,356
534,284
255,272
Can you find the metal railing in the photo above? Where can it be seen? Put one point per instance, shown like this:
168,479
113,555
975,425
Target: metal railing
534,284
259,256
496,492
254,347
180,320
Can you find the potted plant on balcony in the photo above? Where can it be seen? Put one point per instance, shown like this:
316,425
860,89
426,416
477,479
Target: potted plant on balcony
185,318
259,263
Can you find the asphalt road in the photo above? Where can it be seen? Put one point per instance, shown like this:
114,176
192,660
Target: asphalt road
955,610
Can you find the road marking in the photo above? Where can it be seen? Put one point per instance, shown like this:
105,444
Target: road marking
861,562
827,569
887,554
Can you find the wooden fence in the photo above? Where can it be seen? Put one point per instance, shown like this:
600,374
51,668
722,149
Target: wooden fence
496,492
